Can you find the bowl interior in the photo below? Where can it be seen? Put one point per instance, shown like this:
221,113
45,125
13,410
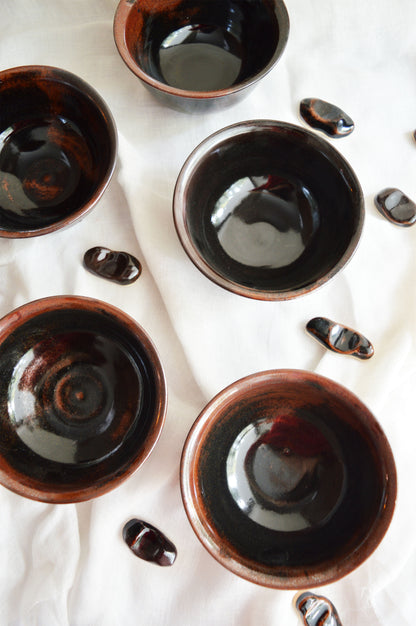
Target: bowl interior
268,207
288,480
57,147
204,46
81,397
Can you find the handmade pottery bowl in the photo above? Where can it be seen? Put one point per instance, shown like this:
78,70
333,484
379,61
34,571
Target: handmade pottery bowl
82,395
288,480
199,55
57,149
267,209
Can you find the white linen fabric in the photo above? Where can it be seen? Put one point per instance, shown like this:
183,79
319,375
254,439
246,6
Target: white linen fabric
67,564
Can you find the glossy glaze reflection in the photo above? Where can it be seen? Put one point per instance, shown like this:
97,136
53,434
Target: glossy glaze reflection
69,393
82,398
57,149
326,117
120,267
40,169
317,610
265,221
285,474
149,543
340,338
267,210
201,55
298,495
395,206
288,480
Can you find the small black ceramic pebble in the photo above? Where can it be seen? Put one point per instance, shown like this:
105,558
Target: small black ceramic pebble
317,610
120,267
326,117
339,338
394,205
149,543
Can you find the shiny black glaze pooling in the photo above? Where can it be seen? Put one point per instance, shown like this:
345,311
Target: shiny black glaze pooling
323,539
285,474
57,146
339,338
200,57
120,267
290,192
149,543
92,386
257,215
40,174
76,403
326,117
304,422
394,205
235,27
317,610
197,56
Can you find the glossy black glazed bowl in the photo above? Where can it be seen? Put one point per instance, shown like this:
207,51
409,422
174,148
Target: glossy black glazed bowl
57,149
267,209
82,398
288,480
200,55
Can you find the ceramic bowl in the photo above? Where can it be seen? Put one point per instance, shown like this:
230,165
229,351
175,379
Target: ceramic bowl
82,395
267,209
200,55
57,149
288,479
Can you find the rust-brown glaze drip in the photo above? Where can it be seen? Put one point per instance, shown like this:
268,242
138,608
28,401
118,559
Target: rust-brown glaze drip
149,543
120,267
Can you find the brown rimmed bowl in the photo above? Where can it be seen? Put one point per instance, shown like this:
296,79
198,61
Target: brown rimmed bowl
267,209
82,398
57,149
200,55
288,479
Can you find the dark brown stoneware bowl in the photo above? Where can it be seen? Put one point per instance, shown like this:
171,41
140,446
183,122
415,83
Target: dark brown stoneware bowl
268,210
57,149
288,479
204,54
82,398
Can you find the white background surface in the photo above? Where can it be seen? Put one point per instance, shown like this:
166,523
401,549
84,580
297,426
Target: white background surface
68,564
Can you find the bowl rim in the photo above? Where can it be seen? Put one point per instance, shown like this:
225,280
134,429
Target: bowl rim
119,33
22,314
194,506
252,126
58,74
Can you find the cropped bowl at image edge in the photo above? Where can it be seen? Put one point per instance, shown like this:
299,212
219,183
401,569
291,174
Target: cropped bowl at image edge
288,479
57,149
202,54
82,398
267,209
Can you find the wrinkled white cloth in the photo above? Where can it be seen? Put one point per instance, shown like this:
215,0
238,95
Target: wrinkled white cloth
67,564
